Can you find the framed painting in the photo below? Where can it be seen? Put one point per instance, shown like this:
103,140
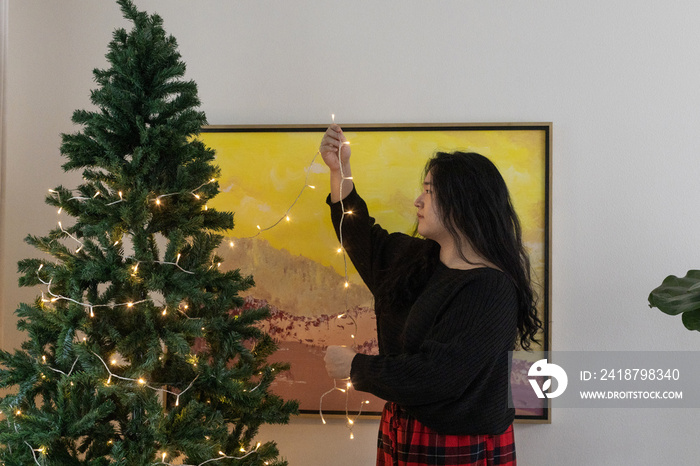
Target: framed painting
275,182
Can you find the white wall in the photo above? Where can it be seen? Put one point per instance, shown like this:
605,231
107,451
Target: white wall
620,80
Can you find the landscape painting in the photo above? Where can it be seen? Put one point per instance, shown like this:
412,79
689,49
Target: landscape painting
275,182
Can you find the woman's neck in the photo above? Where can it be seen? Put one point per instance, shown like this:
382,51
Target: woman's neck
451,257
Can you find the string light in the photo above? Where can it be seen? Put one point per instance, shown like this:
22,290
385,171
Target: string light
34,451
89,306
142,381
121,199
135,269
340,250
194,193
286,216
223,456
60,225
350,421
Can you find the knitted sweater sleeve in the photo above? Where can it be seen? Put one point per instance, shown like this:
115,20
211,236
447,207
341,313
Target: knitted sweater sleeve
370,247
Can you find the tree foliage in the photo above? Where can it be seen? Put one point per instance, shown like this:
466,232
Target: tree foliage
133,354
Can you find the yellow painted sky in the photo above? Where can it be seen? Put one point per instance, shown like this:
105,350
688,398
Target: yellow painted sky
263,174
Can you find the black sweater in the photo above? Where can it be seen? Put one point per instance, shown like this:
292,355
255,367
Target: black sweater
444,358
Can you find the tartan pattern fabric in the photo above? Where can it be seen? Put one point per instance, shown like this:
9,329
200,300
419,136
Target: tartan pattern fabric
404,441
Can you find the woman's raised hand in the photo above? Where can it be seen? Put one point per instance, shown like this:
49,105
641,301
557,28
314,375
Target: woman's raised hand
333,141
333,144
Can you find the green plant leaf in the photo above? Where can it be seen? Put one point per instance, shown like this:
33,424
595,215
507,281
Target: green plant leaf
691,320
677,295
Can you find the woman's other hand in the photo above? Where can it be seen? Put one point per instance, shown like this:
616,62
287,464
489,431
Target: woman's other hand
339,361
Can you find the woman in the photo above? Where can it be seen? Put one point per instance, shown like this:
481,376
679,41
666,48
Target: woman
449,307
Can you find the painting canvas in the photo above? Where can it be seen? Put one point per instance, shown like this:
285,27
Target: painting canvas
275,182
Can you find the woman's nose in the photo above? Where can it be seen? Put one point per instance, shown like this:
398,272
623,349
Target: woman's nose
419,201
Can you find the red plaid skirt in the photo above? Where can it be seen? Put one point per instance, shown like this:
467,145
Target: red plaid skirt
403,441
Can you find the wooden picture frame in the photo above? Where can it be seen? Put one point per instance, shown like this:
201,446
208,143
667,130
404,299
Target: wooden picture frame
284,238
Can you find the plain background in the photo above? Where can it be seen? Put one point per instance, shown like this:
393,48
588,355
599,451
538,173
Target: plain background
620,80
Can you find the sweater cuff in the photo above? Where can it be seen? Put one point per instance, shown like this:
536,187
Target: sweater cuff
358,375
351,197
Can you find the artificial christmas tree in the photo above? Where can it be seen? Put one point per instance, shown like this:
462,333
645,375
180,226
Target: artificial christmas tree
138,350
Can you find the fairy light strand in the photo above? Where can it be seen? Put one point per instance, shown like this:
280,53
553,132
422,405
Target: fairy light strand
174,264
285,216
220,458
34,451
61,372
121,199
345,314
349,420
193,192
142,381
89,306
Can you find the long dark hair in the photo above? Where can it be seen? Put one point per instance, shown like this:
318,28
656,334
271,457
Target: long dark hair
473,200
